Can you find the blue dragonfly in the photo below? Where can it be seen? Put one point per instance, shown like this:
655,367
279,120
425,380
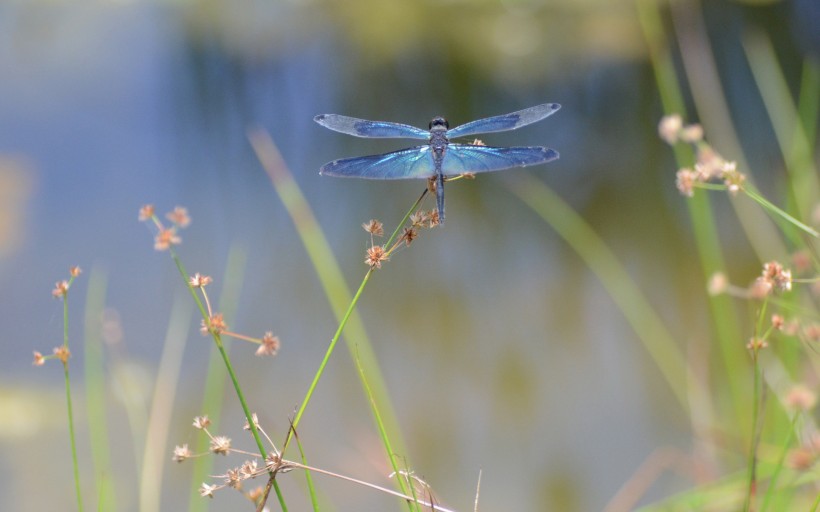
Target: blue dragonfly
438,159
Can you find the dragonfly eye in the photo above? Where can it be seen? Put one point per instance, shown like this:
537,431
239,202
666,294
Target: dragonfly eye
439,121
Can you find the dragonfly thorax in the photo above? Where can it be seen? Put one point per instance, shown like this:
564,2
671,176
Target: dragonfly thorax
440,123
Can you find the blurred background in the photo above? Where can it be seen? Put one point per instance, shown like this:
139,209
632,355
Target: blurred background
501,351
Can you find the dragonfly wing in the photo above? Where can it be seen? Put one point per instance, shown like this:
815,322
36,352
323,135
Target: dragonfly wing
505,122
462,158
409,163
370,129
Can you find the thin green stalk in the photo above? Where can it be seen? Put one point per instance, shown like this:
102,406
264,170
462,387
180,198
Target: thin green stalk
816,504
96,390
768,205
341,328
325,359
383,434
314,499
756,404
71,432
755,441
780,462
154,457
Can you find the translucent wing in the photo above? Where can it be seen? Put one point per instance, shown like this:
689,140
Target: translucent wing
371,129
461,158
505,122
407,163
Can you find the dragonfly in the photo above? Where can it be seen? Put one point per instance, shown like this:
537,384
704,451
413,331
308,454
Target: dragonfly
438,159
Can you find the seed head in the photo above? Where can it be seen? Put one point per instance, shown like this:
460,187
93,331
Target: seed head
801,398
166,238
718,284
181,453
685,181
146,212
221,445
62,353
374,227
60,289
669,128
179,216
269,346
200,281
202,422
207,490
375,256
215,324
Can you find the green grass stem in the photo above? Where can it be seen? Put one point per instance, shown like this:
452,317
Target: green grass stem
155,454
96,388
70,409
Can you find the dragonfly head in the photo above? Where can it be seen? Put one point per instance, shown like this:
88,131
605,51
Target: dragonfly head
438,122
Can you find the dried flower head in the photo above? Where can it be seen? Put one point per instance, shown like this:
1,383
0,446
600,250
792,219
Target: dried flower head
269,346
801,398
669,128
374,227
732,178
685,180
408,236
202,422
249,468
166,238
760,288
62,353
146,212
181,453
255,422
215,324
778,322
801,459
60,289
418,218
39,359
179,216
75,271
220,445
233,478
780,278
718,284
207,490
756,344
200,281
375,256
433,219
709,163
